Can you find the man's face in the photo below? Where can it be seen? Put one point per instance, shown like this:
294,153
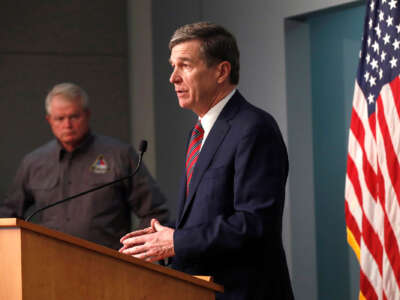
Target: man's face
195,83
68,121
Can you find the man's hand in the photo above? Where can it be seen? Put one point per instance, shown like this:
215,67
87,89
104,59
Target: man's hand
151,244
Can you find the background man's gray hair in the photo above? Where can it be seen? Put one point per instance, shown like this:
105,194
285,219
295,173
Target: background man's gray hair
71,92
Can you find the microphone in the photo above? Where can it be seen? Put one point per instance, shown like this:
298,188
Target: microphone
142,149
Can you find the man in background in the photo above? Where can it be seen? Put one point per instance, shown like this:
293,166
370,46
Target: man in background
229,221
78,160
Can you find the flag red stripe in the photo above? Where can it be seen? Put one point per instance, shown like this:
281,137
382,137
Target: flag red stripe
362,169
369,173
353,176
392,250
395,87
366,287
357,127
391,156
372,242
390,241
372,124
392,165
352,224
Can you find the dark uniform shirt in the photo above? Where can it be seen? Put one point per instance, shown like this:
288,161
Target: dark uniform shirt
50,174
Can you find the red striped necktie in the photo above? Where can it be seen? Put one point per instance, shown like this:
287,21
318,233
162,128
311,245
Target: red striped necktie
193,152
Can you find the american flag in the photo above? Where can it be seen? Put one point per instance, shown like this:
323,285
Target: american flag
372,191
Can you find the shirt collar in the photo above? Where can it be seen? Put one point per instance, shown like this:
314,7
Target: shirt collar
208,120
87,140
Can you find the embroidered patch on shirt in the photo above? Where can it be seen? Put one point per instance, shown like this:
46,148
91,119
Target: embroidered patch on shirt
100,165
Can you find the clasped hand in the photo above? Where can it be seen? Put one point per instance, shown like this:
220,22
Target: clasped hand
151,244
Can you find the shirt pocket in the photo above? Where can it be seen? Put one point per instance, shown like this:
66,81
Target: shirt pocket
44,189
43,183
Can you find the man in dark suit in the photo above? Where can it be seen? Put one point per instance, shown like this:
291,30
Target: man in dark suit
229,221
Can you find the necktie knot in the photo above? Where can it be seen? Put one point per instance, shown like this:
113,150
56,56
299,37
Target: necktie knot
198,128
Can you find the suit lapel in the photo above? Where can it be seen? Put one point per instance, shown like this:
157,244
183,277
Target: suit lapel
217,134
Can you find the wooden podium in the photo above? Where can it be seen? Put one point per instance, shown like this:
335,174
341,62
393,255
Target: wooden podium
42,264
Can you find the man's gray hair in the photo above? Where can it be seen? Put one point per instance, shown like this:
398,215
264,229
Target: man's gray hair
71,92
217,44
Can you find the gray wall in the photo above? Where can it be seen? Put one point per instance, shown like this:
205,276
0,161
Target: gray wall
46,42
141,78
171,122
300,145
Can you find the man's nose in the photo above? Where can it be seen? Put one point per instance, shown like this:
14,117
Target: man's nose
67,122
174,78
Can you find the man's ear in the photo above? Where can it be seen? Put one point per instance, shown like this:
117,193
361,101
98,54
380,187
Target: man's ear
224,70
48,118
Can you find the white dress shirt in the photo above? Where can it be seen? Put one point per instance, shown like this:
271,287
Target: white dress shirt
208,120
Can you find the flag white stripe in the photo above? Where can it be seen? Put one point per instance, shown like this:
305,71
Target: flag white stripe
391,116
370,269
354,205
389,283
360,106
392,204
392,208
372,210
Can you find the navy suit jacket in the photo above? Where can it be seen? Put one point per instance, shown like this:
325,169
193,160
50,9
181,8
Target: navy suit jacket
230,224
